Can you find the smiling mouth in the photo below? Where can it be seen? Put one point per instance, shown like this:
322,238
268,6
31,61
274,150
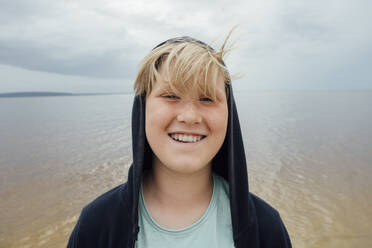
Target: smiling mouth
186,138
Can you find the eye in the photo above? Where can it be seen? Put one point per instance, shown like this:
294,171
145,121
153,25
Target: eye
205,99
171,97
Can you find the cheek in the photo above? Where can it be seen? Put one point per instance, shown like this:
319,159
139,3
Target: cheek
157,117
217,122
218,127
222,125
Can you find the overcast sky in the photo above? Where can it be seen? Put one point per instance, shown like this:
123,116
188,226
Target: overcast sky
96,45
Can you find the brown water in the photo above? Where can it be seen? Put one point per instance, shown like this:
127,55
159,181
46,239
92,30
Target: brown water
309,155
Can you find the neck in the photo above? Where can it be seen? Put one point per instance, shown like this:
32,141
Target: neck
172,189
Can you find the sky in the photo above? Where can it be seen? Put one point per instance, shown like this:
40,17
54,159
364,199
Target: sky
95,46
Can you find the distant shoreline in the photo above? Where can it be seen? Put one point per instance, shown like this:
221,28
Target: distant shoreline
41,94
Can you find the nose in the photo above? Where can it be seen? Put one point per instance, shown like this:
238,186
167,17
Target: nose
189,114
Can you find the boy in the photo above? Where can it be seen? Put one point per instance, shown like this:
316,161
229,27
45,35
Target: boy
188,184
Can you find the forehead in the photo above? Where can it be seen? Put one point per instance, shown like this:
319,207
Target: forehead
201,85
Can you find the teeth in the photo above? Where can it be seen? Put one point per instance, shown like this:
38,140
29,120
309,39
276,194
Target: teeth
186,138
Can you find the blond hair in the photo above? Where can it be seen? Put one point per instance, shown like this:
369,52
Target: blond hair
189,65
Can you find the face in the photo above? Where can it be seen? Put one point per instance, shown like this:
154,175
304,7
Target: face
185,132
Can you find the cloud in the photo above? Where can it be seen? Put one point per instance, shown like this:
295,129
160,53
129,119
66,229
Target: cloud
281,44
30,80
67,39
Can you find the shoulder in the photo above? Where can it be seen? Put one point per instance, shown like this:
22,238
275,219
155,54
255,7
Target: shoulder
105,204
272,231
264,210
101,218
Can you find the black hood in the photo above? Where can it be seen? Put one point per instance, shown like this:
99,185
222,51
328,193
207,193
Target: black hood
229,163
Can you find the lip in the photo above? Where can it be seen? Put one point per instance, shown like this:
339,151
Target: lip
186,133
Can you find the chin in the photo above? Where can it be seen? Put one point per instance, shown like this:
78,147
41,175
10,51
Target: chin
187,167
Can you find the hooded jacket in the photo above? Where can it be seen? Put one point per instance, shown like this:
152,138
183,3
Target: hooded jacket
111,220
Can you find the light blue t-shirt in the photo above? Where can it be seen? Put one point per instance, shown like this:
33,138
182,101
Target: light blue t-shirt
213,229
